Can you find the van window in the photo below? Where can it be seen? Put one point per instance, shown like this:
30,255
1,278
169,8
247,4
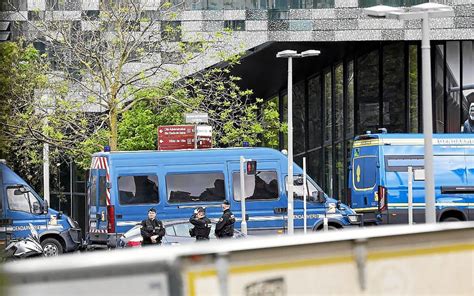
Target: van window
400,163
102,191
261,186
197,187
364,172
22,201
299,189
135,190
93,191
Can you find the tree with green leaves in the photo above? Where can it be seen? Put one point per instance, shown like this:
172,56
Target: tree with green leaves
113,82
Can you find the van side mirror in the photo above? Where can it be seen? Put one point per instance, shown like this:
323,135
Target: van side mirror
318,196
36,208
298,180
45,207
59,215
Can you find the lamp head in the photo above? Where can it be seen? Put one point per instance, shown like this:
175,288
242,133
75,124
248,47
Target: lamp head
287,54
310,53
381,10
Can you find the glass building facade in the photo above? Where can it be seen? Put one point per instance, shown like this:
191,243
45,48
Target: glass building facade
379,88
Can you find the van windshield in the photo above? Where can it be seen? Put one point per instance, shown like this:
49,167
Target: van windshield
364,172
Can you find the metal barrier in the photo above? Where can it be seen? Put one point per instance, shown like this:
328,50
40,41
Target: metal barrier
424,259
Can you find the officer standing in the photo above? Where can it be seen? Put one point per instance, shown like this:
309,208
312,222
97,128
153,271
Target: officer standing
468,126
202,225
225,226
152,229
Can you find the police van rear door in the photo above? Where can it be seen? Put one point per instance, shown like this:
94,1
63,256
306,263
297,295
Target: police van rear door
364,177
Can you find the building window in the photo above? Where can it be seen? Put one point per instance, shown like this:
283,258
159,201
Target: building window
349,100
135,190
171,57
13,5
299,110
453,87
438,86
235,25
171,31
467,77
90,15
327,107
368,91
63,5
413,97
340,173
315,165
394,106
328,170
199,187
338,101
314,112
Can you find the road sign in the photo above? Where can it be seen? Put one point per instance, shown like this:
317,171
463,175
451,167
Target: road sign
171,137
204,136
196,117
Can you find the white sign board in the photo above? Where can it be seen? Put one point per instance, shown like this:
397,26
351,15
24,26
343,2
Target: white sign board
196,117
204,131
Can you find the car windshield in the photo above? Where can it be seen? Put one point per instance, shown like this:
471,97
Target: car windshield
132,232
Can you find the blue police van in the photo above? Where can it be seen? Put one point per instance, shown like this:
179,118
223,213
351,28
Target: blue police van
378,177
21,205
124,185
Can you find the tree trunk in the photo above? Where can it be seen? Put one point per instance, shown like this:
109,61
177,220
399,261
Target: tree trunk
113,114
113,139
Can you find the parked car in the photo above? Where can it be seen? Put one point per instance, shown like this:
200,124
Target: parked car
177,232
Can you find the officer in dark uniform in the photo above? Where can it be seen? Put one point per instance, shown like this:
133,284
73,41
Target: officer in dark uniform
202,225
225,226
152,229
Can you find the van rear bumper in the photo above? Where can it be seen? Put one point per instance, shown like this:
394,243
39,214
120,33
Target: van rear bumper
369,216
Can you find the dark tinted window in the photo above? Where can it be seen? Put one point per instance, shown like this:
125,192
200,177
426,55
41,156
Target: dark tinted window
195,187
93,191
262,186
365,172
102,191
138,190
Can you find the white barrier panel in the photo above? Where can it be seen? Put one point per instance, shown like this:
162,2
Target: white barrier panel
389,260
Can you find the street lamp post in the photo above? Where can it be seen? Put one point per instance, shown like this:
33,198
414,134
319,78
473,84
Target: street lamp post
290,54
424,12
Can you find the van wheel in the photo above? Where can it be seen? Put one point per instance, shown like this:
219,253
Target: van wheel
51,247
451,219
330,228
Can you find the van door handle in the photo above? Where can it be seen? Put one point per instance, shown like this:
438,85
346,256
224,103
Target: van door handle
119,216
280,210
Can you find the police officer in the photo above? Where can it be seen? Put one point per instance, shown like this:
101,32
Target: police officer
152,229
468,126
202,225
225,226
